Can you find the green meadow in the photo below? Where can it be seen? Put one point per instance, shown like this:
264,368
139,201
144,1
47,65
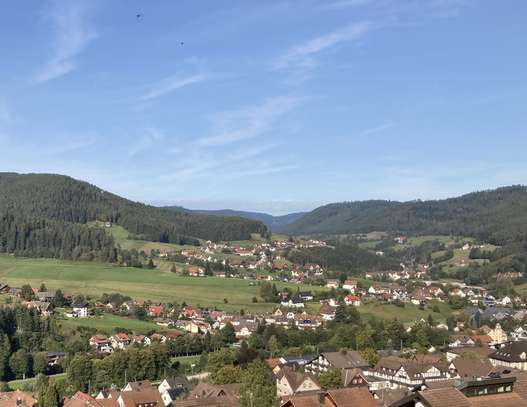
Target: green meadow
91,278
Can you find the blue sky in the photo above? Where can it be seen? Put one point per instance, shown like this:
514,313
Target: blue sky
276,106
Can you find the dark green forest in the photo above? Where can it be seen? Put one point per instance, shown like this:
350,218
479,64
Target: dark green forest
48,215
344,257
497,216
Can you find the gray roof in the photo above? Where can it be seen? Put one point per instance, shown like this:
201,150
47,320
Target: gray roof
345,359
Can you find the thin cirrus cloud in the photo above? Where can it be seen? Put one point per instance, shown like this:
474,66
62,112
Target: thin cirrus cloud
303,58
201,163
378,129
146,141
171,84
72,33
249,122
342,4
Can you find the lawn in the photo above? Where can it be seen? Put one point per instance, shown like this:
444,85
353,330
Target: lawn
108,322
91,278
407,314
415,241
122,236
27,384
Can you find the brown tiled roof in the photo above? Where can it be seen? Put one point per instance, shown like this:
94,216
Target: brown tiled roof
520,385
309,400
387,397
345,359
441,384
140,385
481,351
135,397
447,397
511,352
498,400
295,378
206,390
357,396
349,374
81,399
16,398
472,367
226,401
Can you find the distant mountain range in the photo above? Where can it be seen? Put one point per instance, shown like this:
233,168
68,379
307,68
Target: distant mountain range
273,223
498,215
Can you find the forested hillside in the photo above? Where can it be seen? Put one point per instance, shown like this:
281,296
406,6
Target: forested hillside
46,215
498,216
344,257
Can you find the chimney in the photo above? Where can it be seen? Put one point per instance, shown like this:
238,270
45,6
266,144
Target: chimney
321,397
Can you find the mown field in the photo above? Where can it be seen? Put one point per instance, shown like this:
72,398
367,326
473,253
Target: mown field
91,278
27,384
108,322
408,313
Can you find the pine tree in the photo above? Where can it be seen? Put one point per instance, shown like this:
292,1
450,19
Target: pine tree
5,353
51,396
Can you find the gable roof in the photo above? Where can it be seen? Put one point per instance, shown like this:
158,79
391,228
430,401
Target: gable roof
81,399
295,378
347,359
446,397
178,381
356,396
511,352
302,400
206,390
472,367
143,396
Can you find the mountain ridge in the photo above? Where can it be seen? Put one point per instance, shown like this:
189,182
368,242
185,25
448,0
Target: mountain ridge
497,215
54,197
273,223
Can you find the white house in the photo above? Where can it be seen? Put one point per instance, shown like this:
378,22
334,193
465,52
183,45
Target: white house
80,309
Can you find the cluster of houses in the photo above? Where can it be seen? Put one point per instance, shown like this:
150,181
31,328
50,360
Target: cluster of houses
260,257
422,293
467,375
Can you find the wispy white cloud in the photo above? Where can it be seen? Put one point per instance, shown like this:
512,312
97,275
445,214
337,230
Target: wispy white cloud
342,4
150,137
201,163
302,59
72,33
442,7
171,84
378,129
249,122
68,146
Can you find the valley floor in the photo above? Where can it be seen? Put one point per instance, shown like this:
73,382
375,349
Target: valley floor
91,278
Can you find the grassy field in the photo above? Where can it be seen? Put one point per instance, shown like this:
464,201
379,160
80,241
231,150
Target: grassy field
107,323
91,278
27,384
406,314
121,236
415,241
